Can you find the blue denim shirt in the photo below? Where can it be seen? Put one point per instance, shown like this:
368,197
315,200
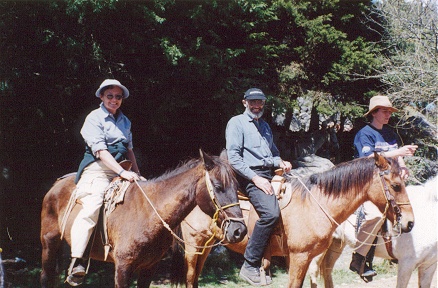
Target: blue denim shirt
248,146
101,129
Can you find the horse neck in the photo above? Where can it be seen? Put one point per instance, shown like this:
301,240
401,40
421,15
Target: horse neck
341,207
176,196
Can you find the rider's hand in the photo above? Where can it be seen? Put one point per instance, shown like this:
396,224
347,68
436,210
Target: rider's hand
263,184
407,150
286,166
129,175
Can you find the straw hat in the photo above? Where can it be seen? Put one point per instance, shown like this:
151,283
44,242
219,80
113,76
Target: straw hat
108,82
379,101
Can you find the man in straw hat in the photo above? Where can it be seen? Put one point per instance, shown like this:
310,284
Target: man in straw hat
375,137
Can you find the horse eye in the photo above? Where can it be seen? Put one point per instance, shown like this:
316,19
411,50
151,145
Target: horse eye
396,187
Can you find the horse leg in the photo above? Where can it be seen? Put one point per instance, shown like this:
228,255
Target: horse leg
191,264
123,274
145,277
331,256
426,274
404,272
199,266
313,270
298,265
51,244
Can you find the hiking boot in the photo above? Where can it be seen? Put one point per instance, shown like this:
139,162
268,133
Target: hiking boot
358,265
250,274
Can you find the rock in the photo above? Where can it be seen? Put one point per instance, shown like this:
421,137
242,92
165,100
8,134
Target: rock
310,164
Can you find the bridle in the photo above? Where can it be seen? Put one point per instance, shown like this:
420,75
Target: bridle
390,201
219,209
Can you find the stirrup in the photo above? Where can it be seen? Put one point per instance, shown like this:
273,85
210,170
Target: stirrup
76,274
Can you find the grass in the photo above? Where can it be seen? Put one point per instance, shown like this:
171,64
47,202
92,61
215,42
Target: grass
221,271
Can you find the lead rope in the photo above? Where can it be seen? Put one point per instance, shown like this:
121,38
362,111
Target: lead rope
320,206
210,190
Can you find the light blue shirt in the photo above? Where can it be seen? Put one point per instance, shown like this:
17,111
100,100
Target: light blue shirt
101,128
247,147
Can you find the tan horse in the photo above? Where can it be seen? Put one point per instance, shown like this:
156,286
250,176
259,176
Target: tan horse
416,250
315,210
138,237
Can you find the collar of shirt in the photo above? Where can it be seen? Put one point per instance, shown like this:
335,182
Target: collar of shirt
106,113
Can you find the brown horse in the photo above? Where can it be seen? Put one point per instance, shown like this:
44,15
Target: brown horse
137,228
312,215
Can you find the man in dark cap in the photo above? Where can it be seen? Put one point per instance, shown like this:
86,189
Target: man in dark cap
253,155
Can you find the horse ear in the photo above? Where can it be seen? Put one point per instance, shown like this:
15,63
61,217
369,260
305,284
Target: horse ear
223,155
381,162
208,161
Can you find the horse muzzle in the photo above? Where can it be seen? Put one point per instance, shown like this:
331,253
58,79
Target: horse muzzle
234,231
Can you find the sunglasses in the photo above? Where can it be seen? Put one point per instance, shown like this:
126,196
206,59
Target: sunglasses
118,97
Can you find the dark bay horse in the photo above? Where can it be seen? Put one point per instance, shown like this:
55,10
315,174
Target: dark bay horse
138,237
315,210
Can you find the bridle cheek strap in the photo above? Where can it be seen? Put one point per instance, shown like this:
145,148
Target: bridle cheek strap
219,209
390,199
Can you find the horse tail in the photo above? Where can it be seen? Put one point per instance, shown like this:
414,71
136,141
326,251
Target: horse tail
178,269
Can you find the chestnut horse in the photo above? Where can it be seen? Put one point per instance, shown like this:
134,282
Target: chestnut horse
317,207
139,229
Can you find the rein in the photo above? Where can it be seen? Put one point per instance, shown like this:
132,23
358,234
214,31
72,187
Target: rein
219,209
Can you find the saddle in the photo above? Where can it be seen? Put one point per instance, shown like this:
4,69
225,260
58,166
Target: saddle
277,244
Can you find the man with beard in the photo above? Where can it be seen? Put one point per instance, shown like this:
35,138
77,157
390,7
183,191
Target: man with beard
253,155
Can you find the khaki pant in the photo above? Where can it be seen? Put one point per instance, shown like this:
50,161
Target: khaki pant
90,191
369,228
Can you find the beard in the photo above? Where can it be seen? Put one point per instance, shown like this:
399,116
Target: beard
255,115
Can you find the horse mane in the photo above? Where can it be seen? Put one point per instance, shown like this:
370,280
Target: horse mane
347,177
181,168
222,169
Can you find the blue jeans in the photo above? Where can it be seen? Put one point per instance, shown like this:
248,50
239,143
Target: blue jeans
269,212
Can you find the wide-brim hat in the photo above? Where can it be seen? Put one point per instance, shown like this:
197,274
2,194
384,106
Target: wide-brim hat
253,94
109,82
379,101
